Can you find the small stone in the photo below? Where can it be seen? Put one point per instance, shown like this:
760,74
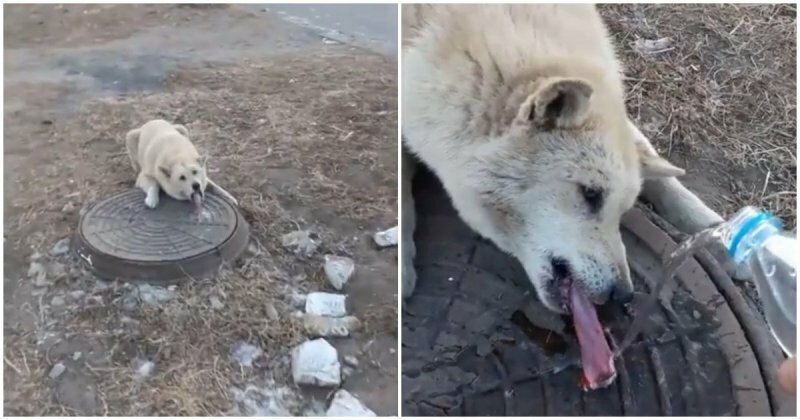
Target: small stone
60,248
38,273
68,208
338,270
316,362
298,299
172,288
245,353
324,326
36,256
272,313
350,360
216,303
57,370
77,294
696,314
57,301
345,404
154,295
326,304
77,355
302,242
386,238
58,271
142,368
347,371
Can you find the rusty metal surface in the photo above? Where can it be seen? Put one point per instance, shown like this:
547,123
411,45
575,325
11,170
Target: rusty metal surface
120,238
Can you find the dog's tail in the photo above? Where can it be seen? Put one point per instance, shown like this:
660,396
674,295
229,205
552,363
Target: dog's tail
221,191
132,145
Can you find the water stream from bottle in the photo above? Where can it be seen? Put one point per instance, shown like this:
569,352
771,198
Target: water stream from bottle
672,263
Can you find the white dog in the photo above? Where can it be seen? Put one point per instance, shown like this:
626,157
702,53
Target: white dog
520,112
167,160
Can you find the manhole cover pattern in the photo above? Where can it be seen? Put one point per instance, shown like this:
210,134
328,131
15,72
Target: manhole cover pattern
465,354
122,226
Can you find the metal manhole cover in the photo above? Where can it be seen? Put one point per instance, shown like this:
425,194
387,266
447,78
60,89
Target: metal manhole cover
471,349
120,238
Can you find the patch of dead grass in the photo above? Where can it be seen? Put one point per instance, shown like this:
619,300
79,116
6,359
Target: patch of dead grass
721,100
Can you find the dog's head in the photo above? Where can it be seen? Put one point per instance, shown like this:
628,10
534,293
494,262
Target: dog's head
183,176
554,186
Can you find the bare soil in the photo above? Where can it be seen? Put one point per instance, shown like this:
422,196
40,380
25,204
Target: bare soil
301,132
719,99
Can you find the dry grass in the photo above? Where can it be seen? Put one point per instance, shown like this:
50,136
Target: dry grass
330,116
721,100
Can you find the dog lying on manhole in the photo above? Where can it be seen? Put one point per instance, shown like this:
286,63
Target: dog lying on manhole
166,160
520,112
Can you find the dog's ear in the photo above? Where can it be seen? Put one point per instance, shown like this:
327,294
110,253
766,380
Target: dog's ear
652,165
166,171
181,129
556,102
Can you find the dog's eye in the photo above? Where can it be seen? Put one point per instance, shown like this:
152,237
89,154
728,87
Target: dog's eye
183,178
593,197
194,172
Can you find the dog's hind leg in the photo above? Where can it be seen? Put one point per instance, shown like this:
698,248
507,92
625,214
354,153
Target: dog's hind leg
151,189
221,191
132,145
408,248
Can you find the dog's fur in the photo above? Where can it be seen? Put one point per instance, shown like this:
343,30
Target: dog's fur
519,110
167,160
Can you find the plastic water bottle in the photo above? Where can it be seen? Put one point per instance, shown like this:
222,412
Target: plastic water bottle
756,241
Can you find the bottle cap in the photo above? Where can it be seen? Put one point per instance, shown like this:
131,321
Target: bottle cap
747,230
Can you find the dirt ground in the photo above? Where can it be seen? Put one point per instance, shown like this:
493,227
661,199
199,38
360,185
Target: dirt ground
718,98
302,132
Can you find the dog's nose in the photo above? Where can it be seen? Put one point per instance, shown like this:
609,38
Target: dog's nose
196,186
622,292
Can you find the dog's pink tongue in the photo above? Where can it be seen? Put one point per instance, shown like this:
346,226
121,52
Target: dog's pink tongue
197,200
596,357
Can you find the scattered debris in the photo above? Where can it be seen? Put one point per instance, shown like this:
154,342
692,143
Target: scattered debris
324,326
326,304
58,271
77,294
245,354
142,368
38,273
216,303
350,360
57,301
316,362
338,270
269,400
60,248
68,208
57,370
647,46
344,404
154,295
302,242
328,41
298,299
77,355
386,238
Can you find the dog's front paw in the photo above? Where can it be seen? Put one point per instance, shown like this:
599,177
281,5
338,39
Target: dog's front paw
409,272
151,200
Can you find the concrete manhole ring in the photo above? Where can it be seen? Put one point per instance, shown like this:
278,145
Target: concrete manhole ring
119,238
470,347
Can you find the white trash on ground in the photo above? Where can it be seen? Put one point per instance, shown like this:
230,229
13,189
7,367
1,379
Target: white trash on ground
386,238
245,353
345,404
338,270
301,241
325,326
326,304
648,46
316,362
